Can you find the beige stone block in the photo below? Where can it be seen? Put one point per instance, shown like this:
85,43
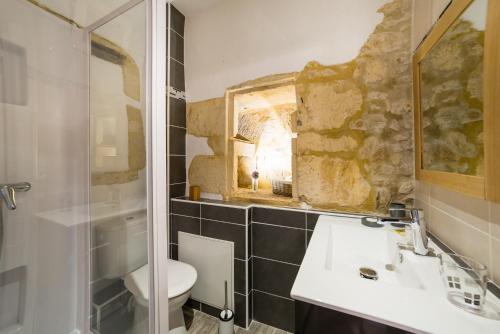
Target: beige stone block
460,237
310,141
207,118
472,211
329,104
327,181
208,172
217,144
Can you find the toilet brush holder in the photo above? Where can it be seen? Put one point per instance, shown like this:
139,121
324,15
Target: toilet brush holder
226,316
226,322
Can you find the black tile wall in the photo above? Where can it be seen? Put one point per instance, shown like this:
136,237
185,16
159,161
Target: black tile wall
177,169
279,217
274,277
177,190
177,112
228,232
250,275
225,223
177,105
239,276
278,243
177,141
311,219
240,310
227,214
274,311
210,310
183,224
279,240
269,247
186,208
176,46
177,76
174,252
309,235
177,21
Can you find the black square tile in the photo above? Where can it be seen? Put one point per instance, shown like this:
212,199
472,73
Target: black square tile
177,190
249,241
250,307
210,310
184,208
177,75
177,169
240,310
311,219
177,143
225,231
177,20
194,304
177,111
279,217
240,276
309,236
223,213
184,224
174,252
278,243
274,311
274,277
176,46
250,275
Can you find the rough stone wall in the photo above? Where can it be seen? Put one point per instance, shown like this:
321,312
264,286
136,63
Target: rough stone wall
452,101
354,122
207,119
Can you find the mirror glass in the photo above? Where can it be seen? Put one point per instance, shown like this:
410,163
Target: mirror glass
451,96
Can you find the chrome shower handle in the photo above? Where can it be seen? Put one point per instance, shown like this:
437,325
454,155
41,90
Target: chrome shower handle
8,193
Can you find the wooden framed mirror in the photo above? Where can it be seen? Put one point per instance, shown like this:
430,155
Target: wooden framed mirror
456,76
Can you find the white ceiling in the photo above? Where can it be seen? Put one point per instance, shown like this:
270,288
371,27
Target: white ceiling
83,12
191,7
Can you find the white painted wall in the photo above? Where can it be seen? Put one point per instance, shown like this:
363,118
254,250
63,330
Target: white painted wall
425,14
238,40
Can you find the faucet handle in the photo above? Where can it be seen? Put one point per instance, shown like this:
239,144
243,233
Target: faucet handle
8,193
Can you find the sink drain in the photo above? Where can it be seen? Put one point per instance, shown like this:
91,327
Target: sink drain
368,273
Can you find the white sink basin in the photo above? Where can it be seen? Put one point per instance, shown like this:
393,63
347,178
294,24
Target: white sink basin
411,296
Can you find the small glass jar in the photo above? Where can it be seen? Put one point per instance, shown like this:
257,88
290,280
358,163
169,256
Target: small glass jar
465,280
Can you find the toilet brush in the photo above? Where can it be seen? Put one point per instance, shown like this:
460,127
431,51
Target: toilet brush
226,316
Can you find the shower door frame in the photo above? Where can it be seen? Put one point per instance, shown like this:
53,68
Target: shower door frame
156,143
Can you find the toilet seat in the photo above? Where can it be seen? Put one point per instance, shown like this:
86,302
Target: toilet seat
181,278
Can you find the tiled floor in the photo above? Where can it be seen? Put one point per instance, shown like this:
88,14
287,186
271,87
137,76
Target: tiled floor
205,324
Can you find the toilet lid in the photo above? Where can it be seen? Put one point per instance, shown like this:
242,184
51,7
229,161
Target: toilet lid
181,278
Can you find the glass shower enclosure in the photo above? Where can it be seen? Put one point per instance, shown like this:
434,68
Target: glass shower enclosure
76,214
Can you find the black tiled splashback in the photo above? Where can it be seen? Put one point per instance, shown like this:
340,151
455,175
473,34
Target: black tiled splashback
176,105
269,247
225,223
177,112
227,214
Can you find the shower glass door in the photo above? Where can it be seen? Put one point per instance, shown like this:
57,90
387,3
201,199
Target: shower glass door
74,228
44,169
118,174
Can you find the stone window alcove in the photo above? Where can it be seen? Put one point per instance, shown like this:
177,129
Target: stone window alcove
261,137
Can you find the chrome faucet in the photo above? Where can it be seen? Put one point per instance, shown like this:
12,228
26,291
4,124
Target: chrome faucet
418,231
8,193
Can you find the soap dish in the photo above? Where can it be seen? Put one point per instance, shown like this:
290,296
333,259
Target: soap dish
465,280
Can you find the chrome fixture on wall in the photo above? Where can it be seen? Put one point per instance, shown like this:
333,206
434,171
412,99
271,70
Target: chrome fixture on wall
8,193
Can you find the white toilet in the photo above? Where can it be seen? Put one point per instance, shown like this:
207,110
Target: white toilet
124,255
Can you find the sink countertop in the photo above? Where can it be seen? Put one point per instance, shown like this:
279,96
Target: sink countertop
329,277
